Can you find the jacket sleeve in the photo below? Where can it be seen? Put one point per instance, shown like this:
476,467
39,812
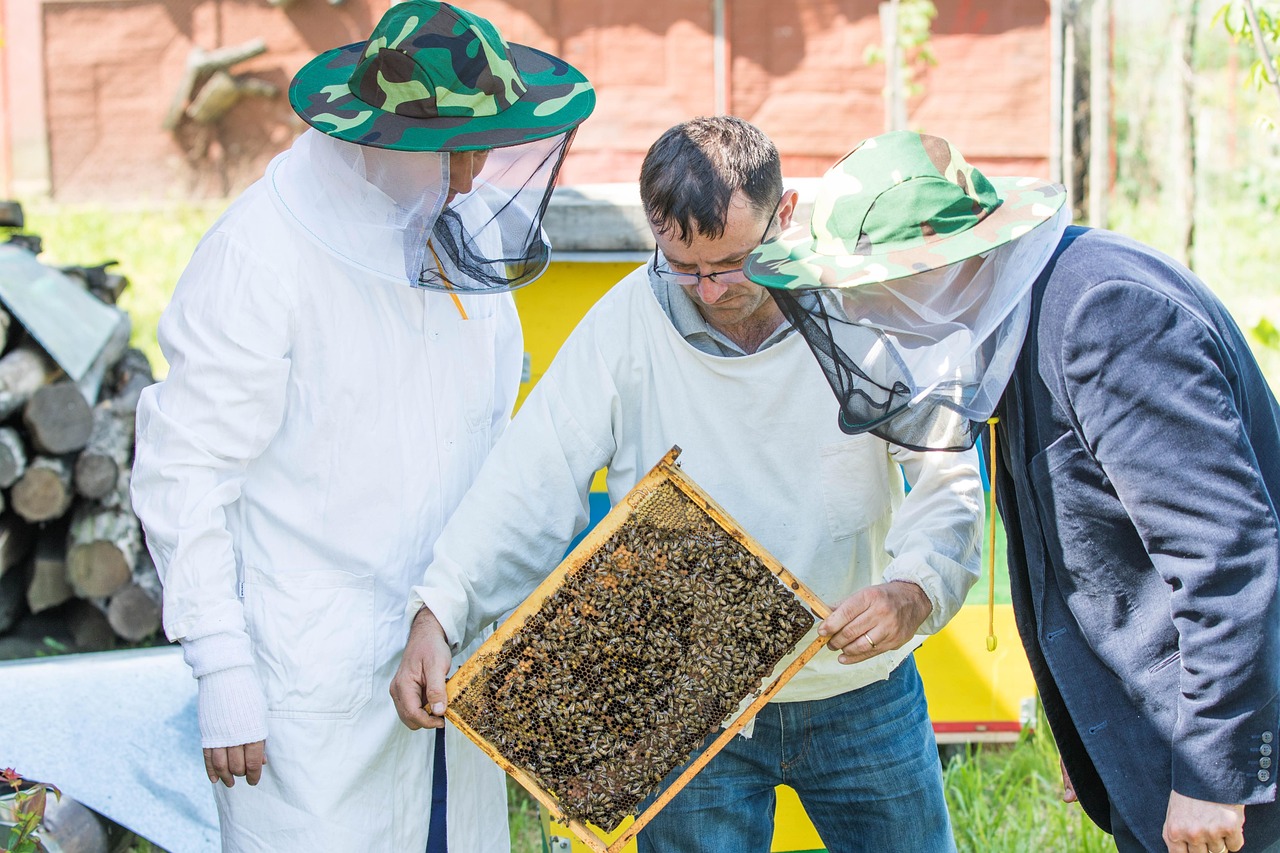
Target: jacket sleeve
225,335
935,539
529,500
1150,385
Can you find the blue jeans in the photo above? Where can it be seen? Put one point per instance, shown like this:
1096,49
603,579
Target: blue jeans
437,837
864,763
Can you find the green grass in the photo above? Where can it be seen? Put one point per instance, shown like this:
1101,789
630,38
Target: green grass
523,819
1007,799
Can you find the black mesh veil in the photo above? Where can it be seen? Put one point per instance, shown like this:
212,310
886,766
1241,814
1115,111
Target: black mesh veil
875,395
490,239
922,360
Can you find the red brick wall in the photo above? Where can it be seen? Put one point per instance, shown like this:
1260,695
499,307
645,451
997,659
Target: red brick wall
110,70
795,67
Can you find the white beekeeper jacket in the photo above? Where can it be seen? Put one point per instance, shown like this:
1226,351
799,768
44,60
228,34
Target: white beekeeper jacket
317,427
758,432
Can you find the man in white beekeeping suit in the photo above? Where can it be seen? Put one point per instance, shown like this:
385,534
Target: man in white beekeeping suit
343,352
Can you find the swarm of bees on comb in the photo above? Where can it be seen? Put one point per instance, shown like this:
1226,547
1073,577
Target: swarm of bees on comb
643,649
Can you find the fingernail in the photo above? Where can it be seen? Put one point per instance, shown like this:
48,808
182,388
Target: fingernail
438,709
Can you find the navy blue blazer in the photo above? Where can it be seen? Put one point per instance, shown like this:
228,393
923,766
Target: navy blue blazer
1139,467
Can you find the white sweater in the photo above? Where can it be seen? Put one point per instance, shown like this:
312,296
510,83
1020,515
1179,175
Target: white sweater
758,433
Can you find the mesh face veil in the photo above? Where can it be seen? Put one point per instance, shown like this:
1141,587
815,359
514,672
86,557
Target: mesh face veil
922,361
491,238
389,213
367,207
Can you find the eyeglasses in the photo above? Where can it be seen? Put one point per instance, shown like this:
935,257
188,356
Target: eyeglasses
693,279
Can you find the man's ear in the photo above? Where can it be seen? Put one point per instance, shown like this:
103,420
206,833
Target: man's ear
787,208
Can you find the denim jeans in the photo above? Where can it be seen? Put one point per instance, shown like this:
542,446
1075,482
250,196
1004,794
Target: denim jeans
864,763
438,835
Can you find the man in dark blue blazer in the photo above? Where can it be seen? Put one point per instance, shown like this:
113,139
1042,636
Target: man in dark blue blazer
1138,467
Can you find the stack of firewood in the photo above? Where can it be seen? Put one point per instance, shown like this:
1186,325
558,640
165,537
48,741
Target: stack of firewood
73,565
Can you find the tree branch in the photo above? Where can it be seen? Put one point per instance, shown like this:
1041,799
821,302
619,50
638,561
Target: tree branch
1261,43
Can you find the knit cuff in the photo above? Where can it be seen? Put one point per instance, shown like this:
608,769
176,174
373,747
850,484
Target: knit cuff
232,708
216,652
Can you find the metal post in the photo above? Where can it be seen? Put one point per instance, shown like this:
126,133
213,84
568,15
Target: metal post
895,106
1055,91
1069,101
718,63
1099,112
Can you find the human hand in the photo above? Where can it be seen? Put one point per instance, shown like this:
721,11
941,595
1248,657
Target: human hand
419,681
875,619
1200,826
1068,789
225,763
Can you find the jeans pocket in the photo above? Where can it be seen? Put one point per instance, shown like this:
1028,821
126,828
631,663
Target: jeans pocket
313,636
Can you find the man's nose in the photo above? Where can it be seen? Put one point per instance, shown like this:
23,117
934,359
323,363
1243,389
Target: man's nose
463,168
710,290
460,181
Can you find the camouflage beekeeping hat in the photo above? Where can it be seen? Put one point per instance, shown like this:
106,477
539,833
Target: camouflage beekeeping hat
900,204
433,77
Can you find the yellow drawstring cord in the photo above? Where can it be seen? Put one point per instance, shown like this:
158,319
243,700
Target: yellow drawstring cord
456,301
991,538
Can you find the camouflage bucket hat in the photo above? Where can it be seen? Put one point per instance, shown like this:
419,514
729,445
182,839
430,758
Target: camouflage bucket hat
433,77
900,204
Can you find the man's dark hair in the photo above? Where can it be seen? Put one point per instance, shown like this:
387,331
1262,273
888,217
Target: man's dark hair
692,171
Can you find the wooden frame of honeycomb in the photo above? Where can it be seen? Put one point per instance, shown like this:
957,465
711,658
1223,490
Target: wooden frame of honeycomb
652,632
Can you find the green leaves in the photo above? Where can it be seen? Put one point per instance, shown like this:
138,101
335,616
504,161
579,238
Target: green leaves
1266,334
24,810
1234,19
915,22
1256,23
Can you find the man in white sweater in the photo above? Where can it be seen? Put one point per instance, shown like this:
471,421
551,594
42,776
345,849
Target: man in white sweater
686,351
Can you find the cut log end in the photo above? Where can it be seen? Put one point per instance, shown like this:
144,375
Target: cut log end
96,475
58,418
134,615
44,492
97,569
90,630
13,457
49,586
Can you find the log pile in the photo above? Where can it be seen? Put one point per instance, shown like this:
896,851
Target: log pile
74,572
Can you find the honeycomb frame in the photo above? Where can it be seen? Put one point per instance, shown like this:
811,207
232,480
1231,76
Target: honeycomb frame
473,690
